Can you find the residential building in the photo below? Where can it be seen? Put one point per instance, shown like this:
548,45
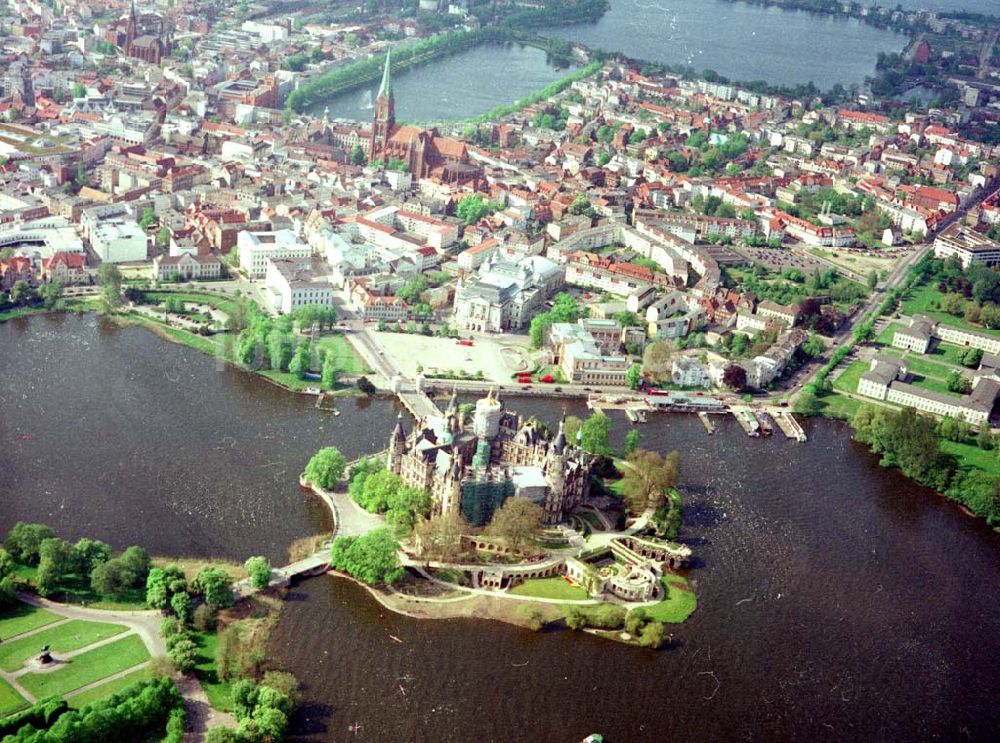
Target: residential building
292,284
255,248
967,245
186,267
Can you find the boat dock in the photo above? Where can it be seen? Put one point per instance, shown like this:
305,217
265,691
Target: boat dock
766,429
325,402
788,425
706,421
747,420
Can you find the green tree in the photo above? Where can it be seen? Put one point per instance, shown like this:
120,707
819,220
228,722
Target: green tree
21,292
807,403
872,280
957,382
653,635
647,477
415,286
79,91
181,604
49,294
259,569
358,155
110,280
55,565
632,440
163,237
24,541
633,377
539,329
302,360
516,521
657,360
183,654
148,218
215,586
440,536
161,584
328,376
596,434
326,468
371,558
88,554
472,208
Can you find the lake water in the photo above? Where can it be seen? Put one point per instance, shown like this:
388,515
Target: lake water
837,600
459,86
740,41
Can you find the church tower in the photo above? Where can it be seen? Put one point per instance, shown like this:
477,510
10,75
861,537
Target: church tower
130,29
385,112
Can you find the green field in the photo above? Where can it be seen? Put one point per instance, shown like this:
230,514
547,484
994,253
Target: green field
679,604
925,366
970,455
932,383
111,687
10,700
348,361
24,618
62,638
885,337
922,300
227,306
551,588
948,353
848,380
839,406
88,667
216,690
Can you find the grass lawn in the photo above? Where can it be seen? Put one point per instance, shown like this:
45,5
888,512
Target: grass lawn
225,305
24,618
922,299
63,638
88,667
216,690
885,337
111,687
933,384
551,588
191,565
948,353
679,604
970,455
848,380
347,359
839,406
83,595
10,700
925,367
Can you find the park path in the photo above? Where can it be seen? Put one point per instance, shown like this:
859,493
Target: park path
146,624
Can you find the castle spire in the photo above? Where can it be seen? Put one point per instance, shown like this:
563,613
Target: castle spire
385,89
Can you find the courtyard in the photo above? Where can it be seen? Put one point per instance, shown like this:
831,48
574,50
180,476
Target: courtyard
491,359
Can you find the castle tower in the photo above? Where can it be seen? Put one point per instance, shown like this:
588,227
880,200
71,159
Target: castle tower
397,445
385,112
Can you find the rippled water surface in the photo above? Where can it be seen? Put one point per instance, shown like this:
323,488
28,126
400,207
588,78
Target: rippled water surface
837,601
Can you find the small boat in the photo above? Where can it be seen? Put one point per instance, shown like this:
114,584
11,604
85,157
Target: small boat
312,391
632,415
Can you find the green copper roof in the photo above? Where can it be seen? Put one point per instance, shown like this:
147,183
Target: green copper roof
386,87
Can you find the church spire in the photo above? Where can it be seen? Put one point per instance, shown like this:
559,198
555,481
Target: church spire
385,89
